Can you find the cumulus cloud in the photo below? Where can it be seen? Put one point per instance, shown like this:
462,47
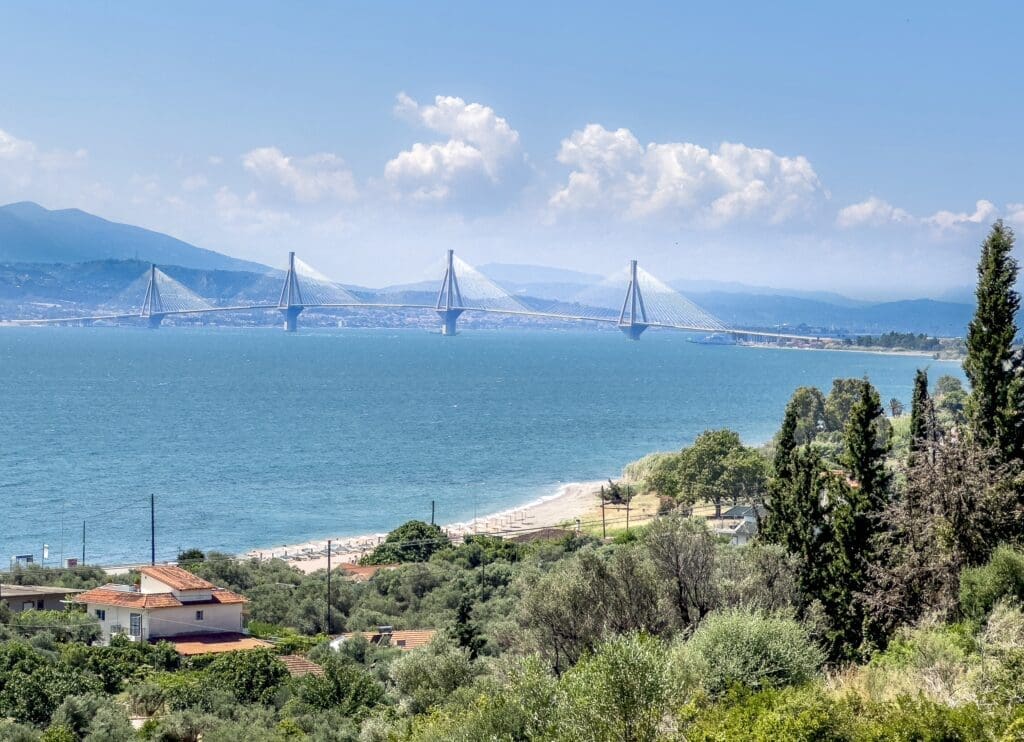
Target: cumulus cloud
24,153
983,211
612,170
479,144
873,212
314,178
1015,213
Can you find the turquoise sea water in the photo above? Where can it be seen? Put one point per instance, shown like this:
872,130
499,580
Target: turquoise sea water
251,437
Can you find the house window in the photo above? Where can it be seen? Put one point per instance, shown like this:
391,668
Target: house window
136,624
199,615
28,605
101,614
40,604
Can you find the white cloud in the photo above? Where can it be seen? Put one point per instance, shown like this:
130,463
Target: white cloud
12,148
480,143
944,220
246,214
873,212
611,170
319,176
24,158
194,182
1015,213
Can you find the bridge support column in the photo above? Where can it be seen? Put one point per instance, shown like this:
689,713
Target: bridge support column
449,318
291,318
153,321
633,331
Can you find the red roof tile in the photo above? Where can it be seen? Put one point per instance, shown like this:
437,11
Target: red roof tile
132,599
298,666
127,599
177,578
190,644
411,639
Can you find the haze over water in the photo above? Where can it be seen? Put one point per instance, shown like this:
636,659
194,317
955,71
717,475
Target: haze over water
251,437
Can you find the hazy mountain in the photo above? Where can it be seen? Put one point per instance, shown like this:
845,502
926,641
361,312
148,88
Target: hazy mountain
30,233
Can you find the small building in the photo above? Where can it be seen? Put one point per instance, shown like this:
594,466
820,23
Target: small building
168,602
36,597
385,636
739,531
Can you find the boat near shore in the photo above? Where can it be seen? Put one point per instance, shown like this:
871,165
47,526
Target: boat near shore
717,338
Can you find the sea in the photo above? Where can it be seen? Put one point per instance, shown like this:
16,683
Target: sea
251,438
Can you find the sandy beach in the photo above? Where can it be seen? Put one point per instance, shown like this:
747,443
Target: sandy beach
571,501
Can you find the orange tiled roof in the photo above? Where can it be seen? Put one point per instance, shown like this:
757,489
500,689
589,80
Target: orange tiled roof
132,599
298,666
191,644
227,597
411,639
177,578
127,599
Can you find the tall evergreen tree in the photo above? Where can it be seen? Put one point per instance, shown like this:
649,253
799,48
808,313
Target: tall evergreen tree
994,409
856,508
778,484
798,519
922,416
866,446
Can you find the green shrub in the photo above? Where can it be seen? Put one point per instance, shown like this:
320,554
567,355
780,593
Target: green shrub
413,541
752,649
982,587
252,676
344,686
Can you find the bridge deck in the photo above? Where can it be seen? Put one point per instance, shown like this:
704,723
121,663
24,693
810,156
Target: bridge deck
738,332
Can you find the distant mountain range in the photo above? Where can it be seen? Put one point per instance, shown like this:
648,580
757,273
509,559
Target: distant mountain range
30,233
68,260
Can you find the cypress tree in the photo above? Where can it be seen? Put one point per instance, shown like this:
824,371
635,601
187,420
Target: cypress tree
782,469
856,517
994,409
922,416
785,444
865,450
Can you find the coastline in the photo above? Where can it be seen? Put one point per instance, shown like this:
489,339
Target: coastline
570,501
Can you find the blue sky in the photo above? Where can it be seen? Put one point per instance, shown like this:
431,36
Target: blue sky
863,148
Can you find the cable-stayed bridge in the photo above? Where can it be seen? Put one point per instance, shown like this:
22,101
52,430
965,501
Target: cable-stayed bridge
632,300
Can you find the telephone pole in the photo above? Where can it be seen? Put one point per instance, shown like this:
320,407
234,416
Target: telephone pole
328,586
152,530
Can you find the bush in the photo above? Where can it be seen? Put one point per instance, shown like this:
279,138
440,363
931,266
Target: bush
621,692
426,677
413,541
752,649
252,676
982,587
344,686
64,626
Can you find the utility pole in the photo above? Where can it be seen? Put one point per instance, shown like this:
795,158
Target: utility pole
604,529
152,529
328,586
83,542
431,512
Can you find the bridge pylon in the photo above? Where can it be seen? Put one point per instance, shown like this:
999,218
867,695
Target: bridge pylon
633,317
449,298
152,306
290,304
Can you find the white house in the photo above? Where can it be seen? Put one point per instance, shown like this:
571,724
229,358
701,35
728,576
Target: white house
168,603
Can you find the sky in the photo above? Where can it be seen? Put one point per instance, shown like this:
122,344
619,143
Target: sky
863,147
